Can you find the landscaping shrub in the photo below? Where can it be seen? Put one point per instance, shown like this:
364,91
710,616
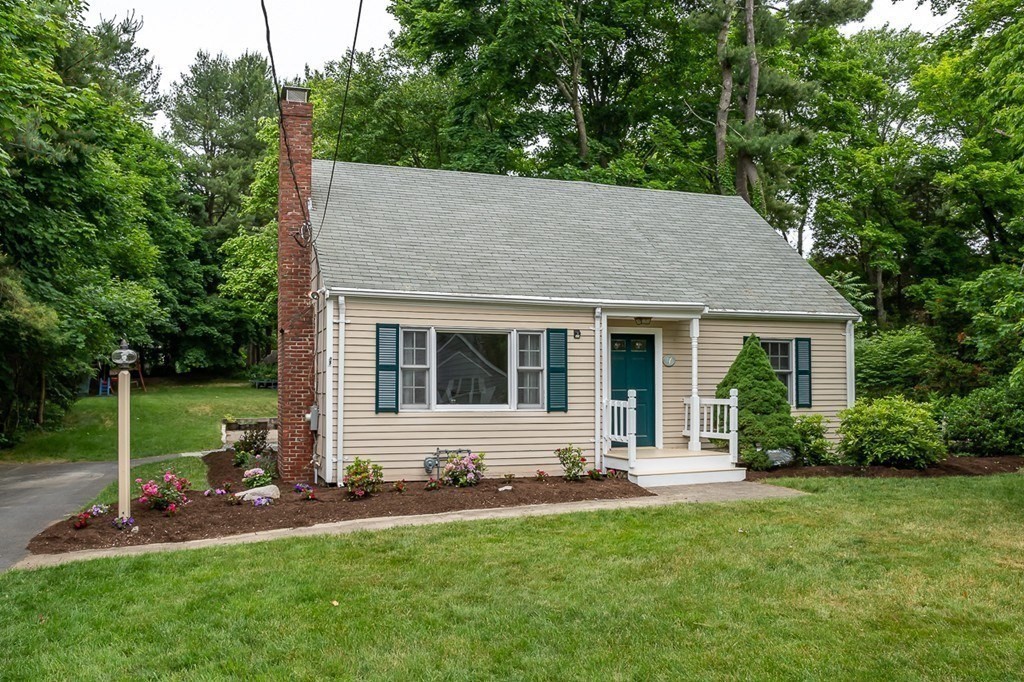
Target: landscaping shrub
252,442
891,431
166,495
988,421
267,462
573,462
765,422
596,474
896,361
464,470
541,475
255,477
813,448
363,478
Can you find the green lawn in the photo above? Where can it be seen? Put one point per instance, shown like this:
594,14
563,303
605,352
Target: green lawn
169,418
865,580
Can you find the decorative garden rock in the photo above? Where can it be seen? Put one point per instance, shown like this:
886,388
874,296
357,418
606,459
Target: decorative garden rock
504,488
781,457
263,491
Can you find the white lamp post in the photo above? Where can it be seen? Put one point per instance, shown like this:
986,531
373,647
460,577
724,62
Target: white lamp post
125,358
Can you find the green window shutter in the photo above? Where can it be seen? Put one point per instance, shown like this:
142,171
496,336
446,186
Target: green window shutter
558,388
387,368
803,372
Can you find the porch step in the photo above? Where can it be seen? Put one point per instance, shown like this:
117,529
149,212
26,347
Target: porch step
679,463
730,475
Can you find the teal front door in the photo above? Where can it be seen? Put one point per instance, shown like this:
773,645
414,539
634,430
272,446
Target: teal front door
633,367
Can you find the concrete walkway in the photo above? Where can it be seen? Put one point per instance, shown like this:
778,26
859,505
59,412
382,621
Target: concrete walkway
710,492
35,494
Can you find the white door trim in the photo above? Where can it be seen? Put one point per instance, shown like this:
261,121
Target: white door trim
656,332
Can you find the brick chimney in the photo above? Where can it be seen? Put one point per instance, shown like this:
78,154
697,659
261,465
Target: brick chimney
295,318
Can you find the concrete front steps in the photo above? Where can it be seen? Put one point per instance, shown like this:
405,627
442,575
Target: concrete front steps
655,468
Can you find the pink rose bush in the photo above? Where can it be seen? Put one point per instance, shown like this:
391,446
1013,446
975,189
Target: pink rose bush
464,470
167,495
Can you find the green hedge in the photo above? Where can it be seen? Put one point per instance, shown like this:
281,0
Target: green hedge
988,421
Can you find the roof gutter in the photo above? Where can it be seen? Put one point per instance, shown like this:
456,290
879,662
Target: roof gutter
520,300
780,314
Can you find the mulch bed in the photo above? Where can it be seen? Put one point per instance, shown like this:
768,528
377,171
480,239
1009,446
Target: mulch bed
207,517
951,466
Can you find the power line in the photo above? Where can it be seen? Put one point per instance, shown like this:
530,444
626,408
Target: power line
341,120
306,223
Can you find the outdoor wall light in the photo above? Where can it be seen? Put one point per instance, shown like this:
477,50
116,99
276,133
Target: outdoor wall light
642,321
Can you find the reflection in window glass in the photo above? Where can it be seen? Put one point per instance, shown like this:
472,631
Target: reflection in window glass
472,368
530,368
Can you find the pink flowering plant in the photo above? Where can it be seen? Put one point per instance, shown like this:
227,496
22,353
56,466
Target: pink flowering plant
363,478
432,484
464,470
256,477
165,494
573,462
542,475
595,474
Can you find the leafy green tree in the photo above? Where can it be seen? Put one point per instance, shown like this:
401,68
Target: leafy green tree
765,421
896,361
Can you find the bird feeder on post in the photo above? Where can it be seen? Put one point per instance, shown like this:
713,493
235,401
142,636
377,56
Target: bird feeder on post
124,358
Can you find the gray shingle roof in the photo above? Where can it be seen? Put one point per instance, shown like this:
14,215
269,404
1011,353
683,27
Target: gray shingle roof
407,229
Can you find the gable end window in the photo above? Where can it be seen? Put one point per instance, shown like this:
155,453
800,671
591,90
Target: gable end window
471,369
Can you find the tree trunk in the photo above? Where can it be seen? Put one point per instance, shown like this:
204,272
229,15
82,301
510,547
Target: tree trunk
800,230
41,413
571,92
880,298
746,171
724,99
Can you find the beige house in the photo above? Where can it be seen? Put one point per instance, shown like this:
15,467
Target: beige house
513,316
425,311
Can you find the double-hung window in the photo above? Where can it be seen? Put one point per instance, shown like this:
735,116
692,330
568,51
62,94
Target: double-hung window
415,367
780,355
469,369
531,369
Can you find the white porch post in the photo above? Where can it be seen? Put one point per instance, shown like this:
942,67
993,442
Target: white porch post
631,428
695,412
734,425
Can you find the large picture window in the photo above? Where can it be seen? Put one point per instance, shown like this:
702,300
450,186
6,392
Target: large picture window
451,369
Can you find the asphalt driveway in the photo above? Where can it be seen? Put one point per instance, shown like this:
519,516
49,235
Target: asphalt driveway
35,494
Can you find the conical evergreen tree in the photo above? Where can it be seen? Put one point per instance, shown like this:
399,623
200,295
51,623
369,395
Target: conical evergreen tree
765,422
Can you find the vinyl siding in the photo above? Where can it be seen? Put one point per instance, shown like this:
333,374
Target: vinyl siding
519,441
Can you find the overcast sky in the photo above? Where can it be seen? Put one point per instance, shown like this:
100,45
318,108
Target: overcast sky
313,32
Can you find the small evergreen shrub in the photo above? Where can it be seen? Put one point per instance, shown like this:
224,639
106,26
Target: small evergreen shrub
363,478
573,462
813,448
891,431
988,421
765,422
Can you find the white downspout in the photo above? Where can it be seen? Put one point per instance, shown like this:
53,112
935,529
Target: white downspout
598,401
606,391
328,411
339,440
695,415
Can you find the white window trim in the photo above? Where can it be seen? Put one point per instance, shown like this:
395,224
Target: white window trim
513,370
791,384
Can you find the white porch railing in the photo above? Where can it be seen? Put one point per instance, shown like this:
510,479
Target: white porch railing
715,418
620,423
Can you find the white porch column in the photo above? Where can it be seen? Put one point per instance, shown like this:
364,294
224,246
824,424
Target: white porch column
695,412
